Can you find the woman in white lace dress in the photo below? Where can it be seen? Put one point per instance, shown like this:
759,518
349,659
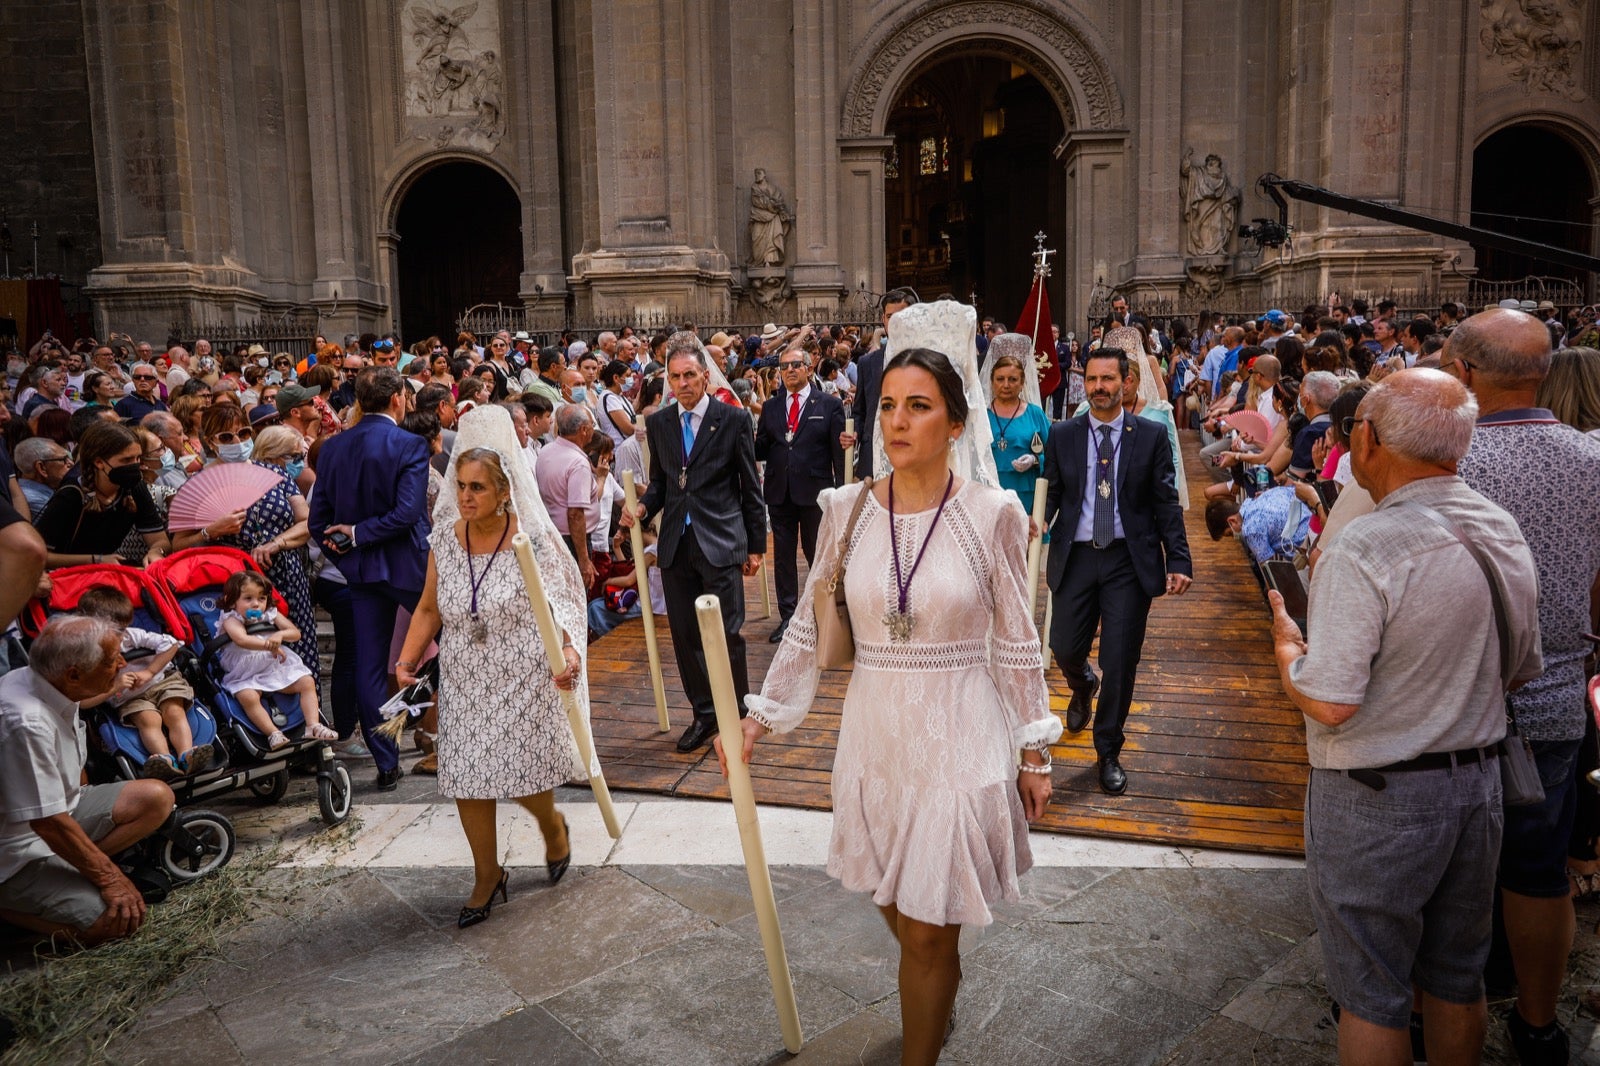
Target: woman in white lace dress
930,807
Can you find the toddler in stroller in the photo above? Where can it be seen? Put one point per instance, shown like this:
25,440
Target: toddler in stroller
254,660
151,696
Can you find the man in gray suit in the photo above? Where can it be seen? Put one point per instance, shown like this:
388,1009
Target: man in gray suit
703,483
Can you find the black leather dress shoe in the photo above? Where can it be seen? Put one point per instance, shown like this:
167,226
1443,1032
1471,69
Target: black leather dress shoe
1113,781
389,780
777,634
1082,706
699,733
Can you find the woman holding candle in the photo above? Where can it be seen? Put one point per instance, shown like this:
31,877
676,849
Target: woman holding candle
503,733
948,692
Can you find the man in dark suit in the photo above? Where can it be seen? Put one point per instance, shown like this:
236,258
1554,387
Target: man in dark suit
372,483
703,483
869,387
798,438
1112,505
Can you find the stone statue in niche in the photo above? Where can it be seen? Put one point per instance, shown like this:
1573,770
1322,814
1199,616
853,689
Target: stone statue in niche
449,74
1540,40
1210,205
770,222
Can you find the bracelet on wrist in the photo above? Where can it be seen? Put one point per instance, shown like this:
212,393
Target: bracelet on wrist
1030,768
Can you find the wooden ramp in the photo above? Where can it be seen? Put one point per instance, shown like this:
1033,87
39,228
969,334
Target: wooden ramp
1215,753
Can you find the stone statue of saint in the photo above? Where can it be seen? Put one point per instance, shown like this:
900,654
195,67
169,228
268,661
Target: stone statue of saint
1210,205
770,221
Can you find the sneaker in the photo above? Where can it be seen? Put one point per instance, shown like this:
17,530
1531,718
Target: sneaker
351,748
197,759
1537,1047
160,768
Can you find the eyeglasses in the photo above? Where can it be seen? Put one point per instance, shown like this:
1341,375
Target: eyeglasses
144,377
151,460
1347,426
58,459
240,437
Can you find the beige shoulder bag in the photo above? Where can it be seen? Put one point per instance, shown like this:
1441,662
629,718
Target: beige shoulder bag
836,644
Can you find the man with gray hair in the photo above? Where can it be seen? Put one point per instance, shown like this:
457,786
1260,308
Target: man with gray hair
567,483
144,398
169,431
1402,690
59,837
41,465
1547,475
1317,393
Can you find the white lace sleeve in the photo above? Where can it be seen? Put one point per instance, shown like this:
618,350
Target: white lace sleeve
1016,659
791,681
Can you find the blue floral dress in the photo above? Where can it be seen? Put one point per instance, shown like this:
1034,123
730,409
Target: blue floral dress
271,516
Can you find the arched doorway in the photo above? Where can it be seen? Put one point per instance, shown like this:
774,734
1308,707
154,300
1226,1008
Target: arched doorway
1531,182
460,243
970,180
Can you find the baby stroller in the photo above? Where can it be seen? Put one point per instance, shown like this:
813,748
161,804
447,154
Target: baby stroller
194,842
193,579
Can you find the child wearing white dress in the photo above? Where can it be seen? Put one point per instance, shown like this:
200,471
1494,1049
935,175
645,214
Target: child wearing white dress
255,661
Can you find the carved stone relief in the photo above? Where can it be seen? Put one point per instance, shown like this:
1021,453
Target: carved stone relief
770,222
1539,40
1210,205
1091,71
454,79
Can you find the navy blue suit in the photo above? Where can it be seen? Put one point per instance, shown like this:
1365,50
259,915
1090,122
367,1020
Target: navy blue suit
797,470
864,408
374,477
1110,588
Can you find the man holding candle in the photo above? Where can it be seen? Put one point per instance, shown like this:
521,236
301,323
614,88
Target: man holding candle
703,482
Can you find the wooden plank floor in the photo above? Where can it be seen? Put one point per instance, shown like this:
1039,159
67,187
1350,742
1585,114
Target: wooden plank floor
1215,753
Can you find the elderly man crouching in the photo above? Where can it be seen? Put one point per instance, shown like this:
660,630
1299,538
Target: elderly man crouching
58,835
1401,686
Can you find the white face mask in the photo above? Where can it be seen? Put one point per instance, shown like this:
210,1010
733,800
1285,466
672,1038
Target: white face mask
579,394
236,453
263,361
627,383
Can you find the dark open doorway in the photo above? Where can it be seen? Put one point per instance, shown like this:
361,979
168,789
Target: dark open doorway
970,180
1533,183
460,228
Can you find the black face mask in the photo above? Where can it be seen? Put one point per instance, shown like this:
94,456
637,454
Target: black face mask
125,477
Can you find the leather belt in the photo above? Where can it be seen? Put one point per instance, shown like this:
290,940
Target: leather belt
1434,760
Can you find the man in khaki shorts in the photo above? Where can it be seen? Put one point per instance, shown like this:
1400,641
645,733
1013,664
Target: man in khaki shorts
57,835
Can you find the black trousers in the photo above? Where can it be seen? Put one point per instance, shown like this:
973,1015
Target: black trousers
690,576
1100,590
793,526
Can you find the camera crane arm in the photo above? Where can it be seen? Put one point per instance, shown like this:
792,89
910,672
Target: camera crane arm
1278,188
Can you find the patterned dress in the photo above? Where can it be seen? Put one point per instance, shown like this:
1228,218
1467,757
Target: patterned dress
926,814
269,517
502,730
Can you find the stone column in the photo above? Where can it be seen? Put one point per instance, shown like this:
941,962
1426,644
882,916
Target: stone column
347,290
544,274
654,129
816,276
164,189
861,251
1159,252
1097,217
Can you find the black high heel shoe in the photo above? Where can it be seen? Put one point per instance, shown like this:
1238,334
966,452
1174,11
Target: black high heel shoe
558,868
474,915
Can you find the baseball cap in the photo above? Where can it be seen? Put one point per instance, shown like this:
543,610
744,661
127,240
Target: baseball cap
292,396
1276,318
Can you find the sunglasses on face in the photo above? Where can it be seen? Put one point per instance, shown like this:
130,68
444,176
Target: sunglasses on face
144,377
792,364
240,437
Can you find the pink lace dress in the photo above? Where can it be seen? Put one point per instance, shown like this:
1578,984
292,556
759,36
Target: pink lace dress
926,812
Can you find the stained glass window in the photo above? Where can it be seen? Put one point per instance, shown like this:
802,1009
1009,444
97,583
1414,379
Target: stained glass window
944,155
891,169
929,156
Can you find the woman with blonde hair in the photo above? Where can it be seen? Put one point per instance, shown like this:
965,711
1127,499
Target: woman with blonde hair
1571,390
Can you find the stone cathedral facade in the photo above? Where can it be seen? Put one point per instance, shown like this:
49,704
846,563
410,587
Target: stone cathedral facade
387,162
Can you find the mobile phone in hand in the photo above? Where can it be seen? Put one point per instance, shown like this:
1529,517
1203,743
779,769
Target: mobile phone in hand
340,542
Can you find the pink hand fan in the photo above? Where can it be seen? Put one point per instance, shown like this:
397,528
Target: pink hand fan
218,491
1252,424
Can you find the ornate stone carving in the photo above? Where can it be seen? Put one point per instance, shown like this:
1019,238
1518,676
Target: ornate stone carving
453,72
1205,280
770,222
1090,69
1210,205
769,289
1540,40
